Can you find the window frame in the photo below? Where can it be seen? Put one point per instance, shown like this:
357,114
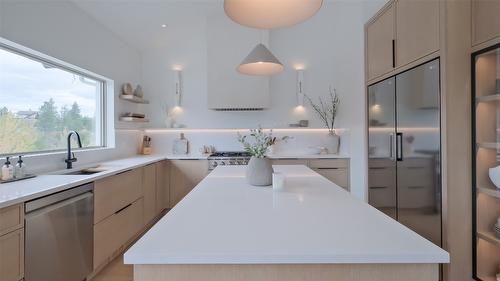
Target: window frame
105,99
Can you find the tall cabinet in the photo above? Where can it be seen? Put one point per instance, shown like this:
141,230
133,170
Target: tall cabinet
486,155
401,33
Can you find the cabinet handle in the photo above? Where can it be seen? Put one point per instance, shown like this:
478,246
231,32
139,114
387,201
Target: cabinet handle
377,187
378,168
399,146
415,186
117,212
329,168
393,53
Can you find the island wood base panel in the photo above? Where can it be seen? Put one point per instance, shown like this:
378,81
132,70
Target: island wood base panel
288,272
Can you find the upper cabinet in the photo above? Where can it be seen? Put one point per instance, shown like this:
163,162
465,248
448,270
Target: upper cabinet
402,32
380,43
485,20
417,30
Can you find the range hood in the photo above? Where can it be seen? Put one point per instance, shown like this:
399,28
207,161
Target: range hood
227,89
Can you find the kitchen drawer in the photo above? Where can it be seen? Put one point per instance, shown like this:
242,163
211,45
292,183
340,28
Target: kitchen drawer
290,162
329,163
11,218
339,176
115,192
149,191
116,230
12,256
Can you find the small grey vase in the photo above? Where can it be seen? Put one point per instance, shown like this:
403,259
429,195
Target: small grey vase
259,171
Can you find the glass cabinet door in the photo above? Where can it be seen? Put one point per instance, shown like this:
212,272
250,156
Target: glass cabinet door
486,164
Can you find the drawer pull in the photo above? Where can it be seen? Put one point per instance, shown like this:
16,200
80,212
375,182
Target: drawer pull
123,208
378,168
329,168
377,187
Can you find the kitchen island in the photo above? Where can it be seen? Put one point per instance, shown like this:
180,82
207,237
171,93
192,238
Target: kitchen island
225,229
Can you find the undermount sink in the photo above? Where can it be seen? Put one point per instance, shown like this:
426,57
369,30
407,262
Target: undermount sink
87,171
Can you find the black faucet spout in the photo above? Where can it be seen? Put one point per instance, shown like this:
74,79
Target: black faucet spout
71,156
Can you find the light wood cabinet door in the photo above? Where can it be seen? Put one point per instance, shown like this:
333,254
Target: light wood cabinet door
339,176
485,20
335,170
111,234
149,191
379,44
12,256
115,192
162,186
417,29
290,162
11,218
184,176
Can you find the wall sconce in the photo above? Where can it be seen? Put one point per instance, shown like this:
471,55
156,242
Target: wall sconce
178,87
300,87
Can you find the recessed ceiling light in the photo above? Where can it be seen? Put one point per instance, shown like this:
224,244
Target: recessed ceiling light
163,25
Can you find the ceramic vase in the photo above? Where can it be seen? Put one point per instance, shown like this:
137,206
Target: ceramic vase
494,174
333,143
259,171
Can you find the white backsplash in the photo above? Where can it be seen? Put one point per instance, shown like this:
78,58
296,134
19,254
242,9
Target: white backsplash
226,140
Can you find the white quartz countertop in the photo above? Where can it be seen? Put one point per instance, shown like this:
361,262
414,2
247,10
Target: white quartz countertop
42,185
25,190
224,220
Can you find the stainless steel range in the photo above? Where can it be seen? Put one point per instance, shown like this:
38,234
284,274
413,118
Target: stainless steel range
227,158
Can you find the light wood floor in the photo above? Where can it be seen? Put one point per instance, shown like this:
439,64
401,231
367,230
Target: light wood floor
116,271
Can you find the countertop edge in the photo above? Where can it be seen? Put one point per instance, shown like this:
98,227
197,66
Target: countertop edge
142,160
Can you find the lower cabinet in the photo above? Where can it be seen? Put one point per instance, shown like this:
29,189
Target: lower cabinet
149,190
184,176
12,243
335,170
113,233
12,256
162,185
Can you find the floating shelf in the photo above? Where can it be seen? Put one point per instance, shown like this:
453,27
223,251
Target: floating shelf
489,191
134,99
489,236
489,145
488,98
134,119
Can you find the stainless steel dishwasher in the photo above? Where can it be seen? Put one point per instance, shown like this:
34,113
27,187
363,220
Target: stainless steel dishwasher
59,236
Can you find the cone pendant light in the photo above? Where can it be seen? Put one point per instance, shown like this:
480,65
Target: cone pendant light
269,14
260,61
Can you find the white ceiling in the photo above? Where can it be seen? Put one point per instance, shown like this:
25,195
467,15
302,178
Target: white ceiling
139,22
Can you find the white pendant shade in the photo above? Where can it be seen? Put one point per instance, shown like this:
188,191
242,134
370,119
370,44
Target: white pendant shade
269,14
260,61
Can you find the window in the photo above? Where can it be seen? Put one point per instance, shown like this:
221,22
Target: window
42,99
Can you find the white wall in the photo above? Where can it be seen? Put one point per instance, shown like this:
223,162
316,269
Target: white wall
329,46
60,30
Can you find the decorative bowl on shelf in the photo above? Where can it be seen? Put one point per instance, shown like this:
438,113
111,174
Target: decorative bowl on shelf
494,174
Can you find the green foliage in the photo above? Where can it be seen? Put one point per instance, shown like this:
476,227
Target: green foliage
47,132
261,141
16,134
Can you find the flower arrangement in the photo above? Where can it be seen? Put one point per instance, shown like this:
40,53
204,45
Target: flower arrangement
261,141
327,112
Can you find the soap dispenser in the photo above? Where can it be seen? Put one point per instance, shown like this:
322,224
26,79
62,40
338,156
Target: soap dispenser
20,169
7,170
